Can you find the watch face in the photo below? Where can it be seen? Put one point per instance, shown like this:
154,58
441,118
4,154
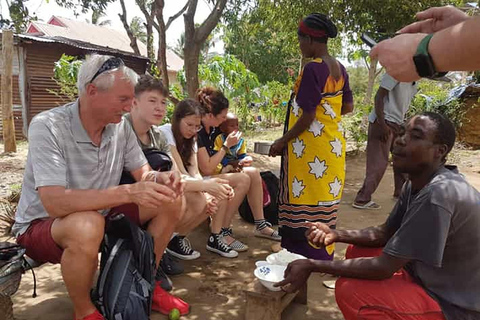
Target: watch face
424,65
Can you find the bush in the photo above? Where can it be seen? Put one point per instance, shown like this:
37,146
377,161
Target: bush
356,124
65,76
432,96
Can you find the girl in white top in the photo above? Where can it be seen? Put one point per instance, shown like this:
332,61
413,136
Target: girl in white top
211,195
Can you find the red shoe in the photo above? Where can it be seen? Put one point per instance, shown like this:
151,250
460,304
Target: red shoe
93,316
164,302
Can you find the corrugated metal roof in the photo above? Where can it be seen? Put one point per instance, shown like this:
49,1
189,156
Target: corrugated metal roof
100,36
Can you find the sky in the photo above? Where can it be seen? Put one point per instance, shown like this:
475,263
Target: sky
44,9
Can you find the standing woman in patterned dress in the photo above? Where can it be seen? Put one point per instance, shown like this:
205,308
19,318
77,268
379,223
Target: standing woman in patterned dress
312,146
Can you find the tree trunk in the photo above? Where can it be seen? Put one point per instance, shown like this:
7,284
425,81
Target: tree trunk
162,44
9,142
372,74
195,38
192,54
131,36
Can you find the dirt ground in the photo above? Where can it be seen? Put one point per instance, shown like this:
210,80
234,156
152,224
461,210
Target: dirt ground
212,285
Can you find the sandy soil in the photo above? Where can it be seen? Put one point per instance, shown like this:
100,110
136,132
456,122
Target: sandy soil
212,285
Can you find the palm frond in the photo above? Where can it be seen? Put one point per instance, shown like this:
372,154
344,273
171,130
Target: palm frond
7,219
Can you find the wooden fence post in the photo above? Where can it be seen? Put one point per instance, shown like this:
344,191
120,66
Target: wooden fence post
7,92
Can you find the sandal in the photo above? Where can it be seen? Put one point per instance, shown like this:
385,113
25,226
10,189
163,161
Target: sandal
236,245
273,236
368,206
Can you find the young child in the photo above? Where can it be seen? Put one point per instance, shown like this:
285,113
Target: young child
236,158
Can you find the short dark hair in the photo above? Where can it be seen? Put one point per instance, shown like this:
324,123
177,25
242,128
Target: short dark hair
445,131
148,83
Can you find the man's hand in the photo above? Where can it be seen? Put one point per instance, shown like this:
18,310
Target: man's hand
383,130
150,194
320,235
396,55
276,148
435,19
296,275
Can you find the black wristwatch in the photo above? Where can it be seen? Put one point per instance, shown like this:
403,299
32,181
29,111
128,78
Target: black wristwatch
424,62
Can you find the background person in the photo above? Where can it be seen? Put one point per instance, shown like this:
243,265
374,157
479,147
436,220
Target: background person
312,147
392,102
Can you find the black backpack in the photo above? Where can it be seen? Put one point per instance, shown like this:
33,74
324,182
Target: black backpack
271,209
127,272
158,160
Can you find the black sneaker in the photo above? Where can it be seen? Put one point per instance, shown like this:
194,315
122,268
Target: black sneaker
180,248
215,244
163,280
170,265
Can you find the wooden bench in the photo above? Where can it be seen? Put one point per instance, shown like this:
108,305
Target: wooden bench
263,304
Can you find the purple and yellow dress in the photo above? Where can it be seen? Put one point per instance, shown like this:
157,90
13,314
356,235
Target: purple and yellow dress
312,173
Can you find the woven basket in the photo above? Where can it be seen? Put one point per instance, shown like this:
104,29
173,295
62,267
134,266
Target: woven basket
10,283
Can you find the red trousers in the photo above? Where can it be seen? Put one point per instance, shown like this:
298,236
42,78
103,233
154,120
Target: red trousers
397,298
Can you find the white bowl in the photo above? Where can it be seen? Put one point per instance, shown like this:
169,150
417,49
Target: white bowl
269,275
283,257
261,263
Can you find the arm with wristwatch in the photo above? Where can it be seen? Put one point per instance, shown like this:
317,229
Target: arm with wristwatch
445,39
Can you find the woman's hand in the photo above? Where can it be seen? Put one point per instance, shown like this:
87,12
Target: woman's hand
277,147
219,188
233,138
212,205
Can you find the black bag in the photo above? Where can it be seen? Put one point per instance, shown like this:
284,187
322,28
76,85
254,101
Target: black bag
127,272
158,160
271,209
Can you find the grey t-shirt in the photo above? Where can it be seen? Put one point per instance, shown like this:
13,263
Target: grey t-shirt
397,102
438,229
61,153
157,138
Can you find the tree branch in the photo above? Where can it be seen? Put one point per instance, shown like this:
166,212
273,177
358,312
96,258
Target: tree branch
149,16
209,24
175,16
133,39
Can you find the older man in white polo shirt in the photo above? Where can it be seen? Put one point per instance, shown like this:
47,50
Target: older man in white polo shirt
76,155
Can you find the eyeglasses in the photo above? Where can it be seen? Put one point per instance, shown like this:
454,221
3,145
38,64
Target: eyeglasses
197,128
110,64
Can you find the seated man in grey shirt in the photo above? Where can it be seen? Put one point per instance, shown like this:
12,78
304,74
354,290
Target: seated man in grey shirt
76,156
423,261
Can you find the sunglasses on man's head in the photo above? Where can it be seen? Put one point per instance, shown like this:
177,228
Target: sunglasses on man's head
110,64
